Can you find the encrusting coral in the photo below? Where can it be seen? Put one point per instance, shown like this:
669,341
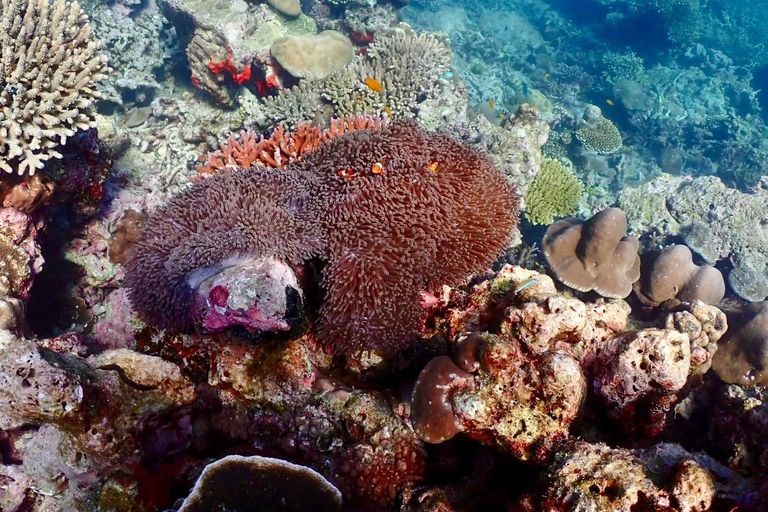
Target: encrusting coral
49,68
393,211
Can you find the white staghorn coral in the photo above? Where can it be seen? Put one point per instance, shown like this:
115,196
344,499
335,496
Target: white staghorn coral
49,67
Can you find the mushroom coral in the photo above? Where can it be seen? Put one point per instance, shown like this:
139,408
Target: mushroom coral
393,212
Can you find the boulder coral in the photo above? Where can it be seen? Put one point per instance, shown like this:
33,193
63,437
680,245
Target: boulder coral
393,212
671,274
594,254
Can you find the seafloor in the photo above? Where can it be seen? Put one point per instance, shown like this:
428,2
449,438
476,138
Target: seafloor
381,255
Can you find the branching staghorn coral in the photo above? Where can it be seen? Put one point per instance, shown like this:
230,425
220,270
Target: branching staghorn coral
49,67
405,64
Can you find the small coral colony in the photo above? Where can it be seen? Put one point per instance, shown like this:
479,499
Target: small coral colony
289,256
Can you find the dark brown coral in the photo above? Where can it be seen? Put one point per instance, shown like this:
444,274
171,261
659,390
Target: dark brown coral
394,211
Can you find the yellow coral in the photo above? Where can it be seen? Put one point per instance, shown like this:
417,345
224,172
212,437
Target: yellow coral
554,192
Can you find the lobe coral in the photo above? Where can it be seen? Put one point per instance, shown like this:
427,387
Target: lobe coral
393,212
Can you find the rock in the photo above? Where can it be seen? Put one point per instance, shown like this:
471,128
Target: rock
638,374
598,478
313,56
224,40
715,220
520,402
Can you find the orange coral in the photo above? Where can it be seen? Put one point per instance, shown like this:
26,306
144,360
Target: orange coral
281,147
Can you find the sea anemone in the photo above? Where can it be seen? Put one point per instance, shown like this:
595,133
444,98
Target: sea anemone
393,212
215,225
435,213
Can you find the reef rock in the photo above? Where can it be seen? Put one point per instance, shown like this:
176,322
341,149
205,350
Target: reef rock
598,478
715,221
224,40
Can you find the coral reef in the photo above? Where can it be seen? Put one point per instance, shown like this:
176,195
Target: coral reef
715,221
597,477
594,255
227,45
374,275
405,68
48,83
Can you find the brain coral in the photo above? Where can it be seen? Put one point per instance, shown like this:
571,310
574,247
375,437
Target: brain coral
49,67
393,212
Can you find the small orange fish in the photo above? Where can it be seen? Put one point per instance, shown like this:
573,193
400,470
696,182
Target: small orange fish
433,167
491,103
502,115
378,168
373,84
388,111
346,173
609,102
